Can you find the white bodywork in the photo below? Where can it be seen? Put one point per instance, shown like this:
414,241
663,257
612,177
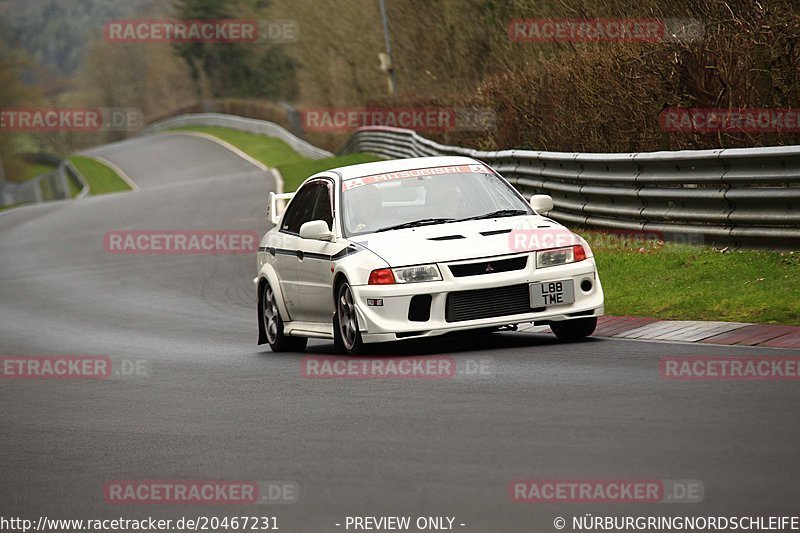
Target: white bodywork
303,271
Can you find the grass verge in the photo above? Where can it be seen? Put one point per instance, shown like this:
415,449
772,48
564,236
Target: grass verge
102,179
294,173
31,170
275,153
689,282
269,150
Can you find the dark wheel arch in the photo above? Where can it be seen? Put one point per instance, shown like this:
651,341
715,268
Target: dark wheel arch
338,280
262,332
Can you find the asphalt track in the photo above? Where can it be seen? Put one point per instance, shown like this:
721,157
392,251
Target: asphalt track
213,405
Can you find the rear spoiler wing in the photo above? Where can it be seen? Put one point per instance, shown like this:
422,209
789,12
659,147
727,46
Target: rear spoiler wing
277,205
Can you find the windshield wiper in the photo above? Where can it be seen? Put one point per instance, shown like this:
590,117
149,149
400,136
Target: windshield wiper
415,223
498,214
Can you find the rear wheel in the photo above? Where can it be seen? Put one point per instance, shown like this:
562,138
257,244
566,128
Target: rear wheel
574,330
346,336
273,326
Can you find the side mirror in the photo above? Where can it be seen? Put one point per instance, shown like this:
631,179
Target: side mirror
542,203
317,230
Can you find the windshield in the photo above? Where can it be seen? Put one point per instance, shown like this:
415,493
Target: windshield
375,205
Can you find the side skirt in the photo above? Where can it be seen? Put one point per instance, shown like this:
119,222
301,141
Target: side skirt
314,330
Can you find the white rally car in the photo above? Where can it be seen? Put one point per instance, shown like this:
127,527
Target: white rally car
414,248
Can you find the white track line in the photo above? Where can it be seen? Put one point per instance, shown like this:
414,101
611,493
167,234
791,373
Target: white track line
113,166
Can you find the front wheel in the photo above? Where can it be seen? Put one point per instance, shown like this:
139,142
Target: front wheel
574,330
346,336
273,326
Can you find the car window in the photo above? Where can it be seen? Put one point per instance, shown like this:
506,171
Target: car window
367,207
324,206
301,208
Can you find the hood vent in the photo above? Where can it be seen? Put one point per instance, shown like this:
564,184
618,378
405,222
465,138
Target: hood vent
447,238
495,232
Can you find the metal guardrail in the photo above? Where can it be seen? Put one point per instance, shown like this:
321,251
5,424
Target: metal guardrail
49,186
261,127
740,196
68,171
55,185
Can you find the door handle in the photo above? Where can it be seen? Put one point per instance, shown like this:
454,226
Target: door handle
300,254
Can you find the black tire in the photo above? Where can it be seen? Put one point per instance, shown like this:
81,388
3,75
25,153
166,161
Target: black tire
574,330
273,325
346,336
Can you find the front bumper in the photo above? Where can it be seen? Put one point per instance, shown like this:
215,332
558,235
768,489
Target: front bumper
391,321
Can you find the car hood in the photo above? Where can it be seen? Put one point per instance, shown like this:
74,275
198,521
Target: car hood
467,240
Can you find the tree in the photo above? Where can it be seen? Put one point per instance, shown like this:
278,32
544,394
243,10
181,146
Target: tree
13,93
234,69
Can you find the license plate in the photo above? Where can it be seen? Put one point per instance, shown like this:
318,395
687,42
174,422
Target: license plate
552,293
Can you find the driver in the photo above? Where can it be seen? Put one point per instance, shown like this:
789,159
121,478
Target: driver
443,199
367,207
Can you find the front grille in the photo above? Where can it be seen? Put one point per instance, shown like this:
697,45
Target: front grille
486,303
489,267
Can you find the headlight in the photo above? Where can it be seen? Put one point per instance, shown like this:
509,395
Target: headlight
417,273
560,256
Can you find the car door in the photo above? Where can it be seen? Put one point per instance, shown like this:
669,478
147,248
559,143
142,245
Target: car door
314,289
287,253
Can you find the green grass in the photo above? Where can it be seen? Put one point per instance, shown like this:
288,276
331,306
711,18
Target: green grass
294,173
275,153
74,190
686,282
31,170
269,150
101,178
